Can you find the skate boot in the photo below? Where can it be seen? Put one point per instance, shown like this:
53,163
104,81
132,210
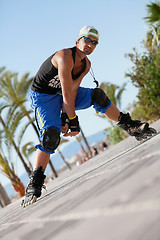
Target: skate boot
140,130
34,188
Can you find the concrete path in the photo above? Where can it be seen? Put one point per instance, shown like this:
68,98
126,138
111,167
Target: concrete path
114,196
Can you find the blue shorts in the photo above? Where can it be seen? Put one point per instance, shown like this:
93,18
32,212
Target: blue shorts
48,109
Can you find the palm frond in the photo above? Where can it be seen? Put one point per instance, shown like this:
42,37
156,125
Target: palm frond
24,85
28,149
2,69
5,166
119,94
153,10
3,106
9,86
16,121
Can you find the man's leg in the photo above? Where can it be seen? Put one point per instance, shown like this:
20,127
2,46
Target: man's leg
41,159
100,101
112,113
140,130
49,122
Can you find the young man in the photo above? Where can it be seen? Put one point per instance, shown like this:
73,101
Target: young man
56,94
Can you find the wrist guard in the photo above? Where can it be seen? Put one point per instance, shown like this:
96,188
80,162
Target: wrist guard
74,124
64,118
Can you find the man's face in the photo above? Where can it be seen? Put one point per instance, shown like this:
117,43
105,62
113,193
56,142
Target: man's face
85,46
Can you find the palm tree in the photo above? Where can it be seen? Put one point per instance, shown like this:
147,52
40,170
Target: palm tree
86,142
153,20
60,153
79,140
114,92
28,149
4,199
8,170
153,13
14,91
7,167
7,135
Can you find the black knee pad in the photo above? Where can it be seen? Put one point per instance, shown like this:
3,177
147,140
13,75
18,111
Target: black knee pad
51,139
99,97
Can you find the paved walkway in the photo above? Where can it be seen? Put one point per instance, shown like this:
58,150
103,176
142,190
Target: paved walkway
114,196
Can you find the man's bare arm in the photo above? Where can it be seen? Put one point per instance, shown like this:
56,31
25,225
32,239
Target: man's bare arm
77,82
65,65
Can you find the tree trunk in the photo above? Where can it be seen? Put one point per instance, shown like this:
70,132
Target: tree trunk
18,187
22,159
52,168
17,150
4,199
33,125
68,165
83,149
85,140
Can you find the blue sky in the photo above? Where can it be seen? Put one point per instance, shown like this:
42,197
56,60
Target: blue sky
32,30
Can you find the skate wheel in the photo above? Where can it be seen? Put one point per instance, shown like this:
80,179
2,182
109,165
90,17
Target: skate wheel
139,139
34,199
149,133
152,131
28,201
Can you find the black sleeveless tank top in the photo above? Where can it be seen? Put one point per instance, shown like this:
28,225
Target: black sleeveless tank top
47,79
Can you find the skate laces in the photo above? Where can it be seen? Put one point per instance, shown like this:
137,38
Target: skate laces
37,178
36,182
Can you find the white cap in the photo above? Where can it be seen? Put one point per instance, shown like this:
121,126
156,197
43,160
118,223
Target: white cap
89,31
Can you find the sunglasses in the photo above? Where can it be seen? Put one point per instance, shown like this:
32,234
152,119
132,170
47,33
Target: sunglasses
88,40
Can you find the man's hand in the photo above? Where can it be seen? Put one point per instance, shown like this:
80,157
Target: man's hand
73,126
70,134
65,128
65,122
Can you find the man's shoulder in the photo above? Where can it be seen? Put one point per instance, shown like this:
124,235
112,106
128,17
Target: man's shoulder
65,52
63,56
